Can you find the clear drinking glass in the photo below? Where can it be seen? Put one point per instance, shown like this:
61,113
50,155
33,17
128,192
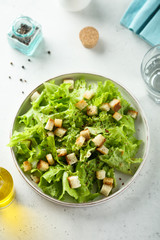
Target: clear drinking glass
150,70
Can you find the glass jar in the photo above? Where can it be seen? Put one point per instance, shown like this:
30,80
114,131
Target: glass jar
6,188
25,35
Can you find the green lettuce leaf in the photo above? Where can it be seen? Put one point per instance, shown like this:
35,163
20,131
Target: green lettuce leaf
66,188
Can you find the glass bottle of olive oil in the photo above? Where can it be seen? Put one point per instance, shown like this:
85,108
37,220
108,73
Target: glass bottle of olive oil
6,188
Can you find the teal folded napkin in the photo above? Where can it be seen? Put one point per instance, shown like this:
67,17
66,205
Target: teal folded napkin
143,18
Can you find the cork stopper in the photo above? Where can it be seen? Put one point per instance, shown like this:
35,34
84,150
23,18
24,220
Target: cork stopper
89,37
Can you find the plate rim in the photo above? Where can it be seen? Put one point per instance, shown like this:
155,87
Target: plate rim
105,199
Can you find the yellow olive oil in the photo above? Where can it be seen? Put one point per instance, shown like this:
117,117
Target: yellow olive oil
6,188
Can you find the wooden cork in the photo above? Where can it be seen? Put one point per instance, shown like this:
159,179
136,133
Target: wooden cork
89,37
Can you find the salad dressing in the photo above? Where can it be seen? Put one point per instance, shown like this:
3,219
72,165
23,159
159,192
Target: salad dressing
6,188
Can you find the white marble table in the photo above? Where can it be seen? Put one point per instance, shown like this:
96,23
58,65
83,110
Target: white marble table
136,213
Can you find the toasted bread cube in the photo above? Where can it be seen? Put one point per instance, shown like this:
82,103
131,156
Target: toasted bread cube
69,81
106,189
58,123
74,182
80,141
92,110
42,165
50,159
81,104
35,178
49,125
100,174
71,158
105,107
85,133
115,105
102,149
27,166
50,133
62,152
34,96
117,116
60,132
99,140
132,113
108,181
88,94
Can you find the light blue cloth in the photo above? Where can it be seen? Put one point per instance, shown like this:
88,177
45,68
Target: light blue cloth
143,18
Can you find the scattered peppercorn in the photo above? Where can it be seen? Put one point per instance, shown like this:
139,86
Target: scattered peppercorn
23,67
29,60
119,178
11,63
25,80
22,92
21,79
9,77
49,52
122,183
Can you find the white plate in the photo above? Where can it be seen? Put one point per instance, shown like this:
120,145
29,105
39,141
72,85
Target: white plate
142,132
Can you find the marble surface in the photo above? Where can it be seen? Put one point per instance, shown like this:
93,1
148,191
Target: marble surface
135,214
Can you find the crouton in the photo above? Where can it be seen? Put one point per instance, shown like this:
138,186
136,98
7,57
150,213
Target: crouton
85,133
117,116
60,132
81,104
132,113
88,94
115,105
49,125
100,174
58,123
105,107
42,165
80,141
92,110
62,152
27,166
74,182
71,158
50,159
35,178
69,81
34,96
106,189
99,140
108,181
102,149
50,133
